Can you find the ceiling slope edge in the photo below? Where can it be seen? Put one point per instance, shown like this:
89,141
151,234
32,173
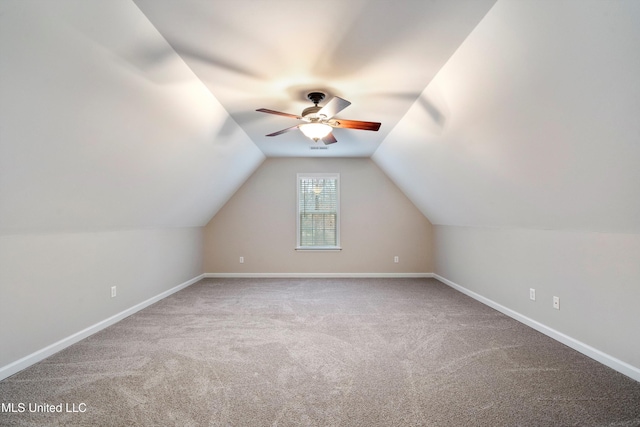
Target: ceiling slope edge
530,129
107,129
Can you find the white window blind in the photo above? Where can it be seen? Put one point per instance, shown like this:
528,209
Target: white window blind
318,211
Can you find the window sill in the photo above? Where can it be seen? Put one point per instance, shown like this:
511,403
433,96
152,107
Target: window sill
318,248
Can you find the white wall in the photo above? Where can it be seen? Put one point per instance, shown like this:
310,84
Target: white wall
523,152
596,276
113,155
55,285
377,222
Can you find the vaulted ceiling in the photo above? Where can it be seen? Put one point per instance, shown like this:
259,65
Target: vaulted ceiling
380,55
126,114
532,123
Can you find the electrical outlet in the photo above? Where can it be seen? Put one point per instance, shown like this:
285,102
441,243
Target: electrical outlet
532,294
113,292
556,303
241,260
396,259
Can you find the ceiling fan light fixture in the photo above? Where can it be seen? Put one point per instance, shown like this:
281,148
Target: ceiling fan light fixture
315,131
319,121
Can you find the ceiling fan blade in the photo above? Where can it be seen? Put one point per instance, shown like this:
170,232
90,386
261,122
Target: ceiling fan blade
280,132
279,113
356,124
333,107
329,139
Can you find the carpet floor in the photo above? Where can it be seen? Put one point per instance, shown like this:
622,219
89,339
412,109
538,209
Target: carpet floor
319,352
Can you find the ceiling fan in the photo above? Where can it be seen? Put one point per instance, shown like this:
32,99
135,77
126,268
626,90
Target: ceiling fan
319,121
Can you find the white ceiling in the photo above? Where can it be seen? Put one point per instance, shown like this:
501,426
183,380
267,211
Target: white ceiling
537,122
134,115
92,139
378,54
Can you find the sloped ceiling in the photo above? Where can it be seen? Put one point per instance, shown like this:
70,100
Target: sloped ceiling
125,115
95,135
378,54
120,114
532,123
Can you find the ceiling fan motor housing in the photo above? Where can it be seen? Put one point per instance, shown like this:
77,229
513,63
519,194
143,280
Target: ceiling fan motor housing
311,111
316,97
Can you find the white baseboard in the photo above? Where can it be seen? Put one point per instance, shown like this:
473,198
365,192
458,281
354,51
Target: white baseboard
587,350
314,275
605,359
41,354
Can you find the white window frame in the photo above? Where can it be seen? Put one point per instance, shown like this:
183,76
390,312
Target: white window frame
299,178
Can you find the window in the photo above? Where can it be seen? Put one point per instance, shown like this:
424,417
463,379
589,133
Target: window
318,211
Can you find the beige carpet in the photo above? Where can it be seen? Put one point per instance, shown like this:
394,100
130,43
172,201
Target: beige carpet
339,352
